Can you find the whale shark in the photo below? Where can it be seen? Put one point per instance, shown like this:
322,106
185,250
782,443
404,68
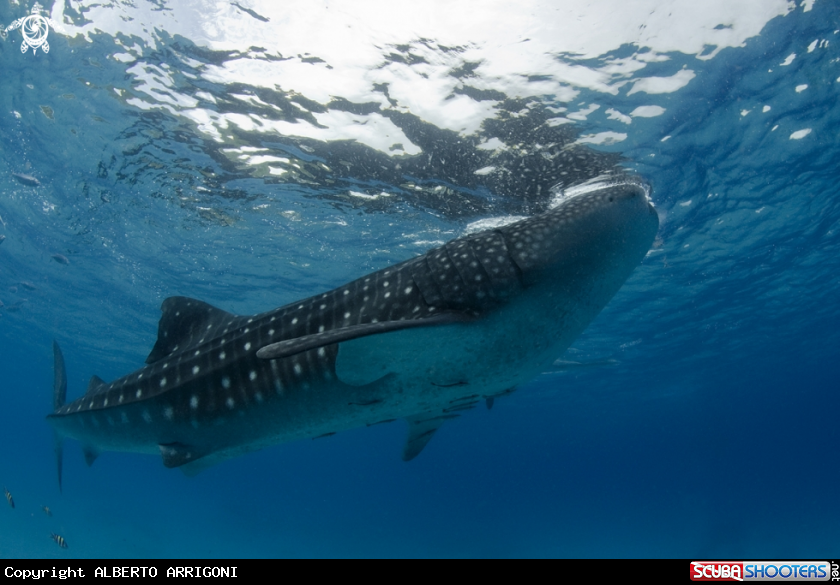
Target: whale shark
421,340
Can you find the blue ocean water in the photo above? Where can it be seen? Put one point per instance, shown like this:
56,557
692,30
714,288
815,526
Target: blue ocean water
252,154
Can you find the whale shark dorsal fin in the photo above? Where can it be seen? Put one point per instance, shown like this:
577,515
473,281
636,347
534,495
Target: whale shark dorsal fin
184,323
290,347
95,384
421,428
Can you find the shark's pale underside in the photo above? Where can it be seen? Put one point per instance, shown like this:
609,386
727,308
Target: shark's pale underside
420,340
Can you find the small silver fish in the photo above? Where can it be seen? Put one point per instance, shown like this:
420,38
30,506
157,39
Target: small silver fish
27,179
46,510
60,259
27,285
9,498
2,238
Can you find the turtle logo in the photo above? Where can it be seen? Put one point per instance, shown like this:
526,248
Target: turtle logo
35,29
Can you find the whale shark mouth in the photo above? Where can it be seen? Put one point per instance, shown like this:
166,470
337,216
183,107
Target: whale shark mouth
604,181
562,194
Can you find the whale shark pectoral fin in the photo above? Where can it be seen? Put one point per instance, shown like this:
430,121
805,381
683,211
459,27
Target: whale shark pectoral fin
290,347
421,428
178,454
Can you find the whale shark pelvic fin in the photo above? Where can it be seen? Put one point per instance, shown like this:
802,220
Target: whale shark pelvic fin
421,428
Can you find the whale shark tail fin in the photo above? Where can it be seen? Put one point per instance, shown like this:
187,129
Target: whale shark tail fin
59,398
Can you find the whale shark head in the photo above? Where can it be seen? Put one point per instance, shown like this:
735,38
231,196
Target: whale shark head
523,292
570,261
592,237
595,229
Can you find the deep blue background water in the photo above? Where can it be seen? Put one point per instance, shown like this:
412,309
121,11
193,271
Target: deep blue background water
714,436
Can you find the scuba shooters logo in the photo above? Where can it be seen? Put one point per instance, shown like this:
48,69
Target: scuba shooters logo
764,571
35,29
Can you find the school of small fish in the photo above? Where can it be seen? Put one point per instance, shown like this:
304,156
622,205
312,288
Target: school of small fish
59,540
61,259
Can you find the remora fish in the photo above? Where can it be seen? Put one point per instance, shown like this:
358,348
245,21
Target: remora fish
419,340
27,179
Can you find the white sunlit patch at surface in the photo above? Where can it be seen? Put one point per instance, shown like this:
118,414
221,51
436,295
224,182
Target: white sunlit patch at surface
303,92
321,54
